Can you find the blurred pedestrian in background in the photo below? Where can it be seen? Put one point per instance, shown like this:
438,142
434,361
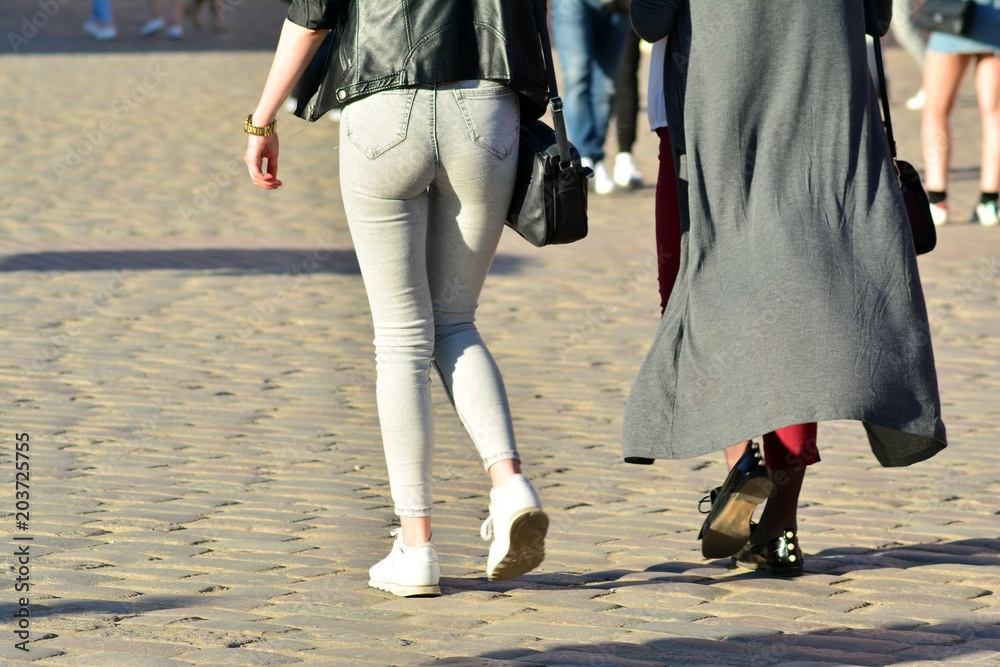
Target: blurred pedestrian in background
101,25
907,35
625,174
948,58
589,36
157,23
193,11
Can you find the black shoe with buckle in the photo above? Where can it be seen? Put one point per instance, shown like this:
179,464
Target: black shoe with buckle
780,556
727,526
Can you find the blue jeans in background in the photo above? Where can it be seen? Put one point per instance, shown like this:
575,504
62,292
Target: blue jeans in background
589,40
102,12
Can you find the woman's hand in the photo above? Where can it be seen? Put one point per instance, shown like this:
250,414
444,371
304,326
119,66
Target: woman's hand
296,47
258,150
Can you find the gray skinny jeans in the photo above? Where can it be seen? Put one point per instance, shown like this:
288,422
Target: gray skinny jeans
427,175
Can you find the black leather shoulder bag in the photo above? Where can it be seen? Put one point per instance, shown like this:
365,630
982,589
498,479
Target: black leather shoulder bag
549,205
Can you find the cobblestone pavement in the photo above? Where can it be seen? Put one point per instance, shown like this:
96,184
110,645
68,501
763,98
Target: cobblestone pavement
192,361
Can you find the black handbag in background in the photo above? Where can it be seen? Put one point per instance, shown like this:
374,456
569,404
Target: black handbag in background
918,207
549,205
950,16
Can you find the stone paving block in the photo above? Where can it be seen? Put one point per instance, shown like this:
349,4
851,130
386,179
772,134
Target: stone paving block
789,600
124,644
891,587
103,659
915,575
370,656
36,653
796,654
527,628
883,618
566,658
773,624
728,609
703,631
911,599
237,656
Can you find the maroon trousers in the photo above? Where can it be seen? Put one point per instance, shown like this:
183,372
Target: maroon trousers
788,447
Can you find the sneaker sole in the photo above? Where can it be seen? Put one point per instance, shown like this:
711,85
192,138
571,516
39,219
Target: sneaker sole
526,550
731,529
428,591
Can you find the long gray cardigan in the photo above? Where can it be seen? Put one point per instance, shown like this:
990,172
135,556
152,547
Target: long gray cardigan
798,297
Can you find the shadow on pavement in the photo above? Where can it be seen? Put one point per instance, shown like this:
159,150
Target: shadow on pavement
138,605
839,561
686,643
749,640
230,260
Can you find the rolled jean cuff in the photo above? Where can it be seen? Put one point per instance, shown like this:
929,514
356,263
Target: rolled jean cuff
509,454
412,512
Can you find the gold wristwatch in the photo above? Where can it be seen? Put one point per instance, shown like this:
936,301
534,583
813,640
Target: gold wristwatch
257,131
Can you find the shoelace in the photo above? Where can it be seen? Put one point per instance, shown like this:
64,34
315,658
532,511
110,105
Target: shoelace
395,532
486,530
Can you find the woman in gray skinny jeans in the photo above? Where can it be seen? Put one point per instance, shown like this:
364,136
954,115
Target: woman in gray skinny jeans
427,166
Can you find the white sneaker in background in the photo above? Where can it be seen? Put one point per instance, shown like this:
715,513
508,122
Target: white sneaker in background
939,213
102,33
625,174
151,27
175,32
517,526
917,102
987,214
602,179
415,571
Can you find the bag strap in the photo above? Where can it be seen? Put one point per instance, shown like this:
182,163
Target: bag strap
555,102
883,94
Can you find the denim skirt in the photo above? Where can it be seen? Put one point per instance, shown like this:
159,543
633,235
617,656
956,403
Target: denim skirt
983,38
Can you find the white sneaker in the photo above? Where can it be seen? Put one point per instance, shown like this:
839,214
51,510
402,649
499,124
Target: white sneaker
939,213
625,174
102,33
151,27
917,102
175,32
517,526
415,572
602,179
987,214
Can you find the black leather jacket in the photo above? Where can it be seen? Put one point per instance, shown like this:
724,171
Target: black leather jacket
380,45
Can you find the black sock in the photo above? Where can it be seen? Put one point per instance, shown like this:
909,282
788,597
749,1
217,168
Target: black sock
987,197
937,196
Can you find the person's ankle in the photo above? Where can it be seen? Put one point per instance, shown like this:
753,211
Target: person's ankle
502,471
764,532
